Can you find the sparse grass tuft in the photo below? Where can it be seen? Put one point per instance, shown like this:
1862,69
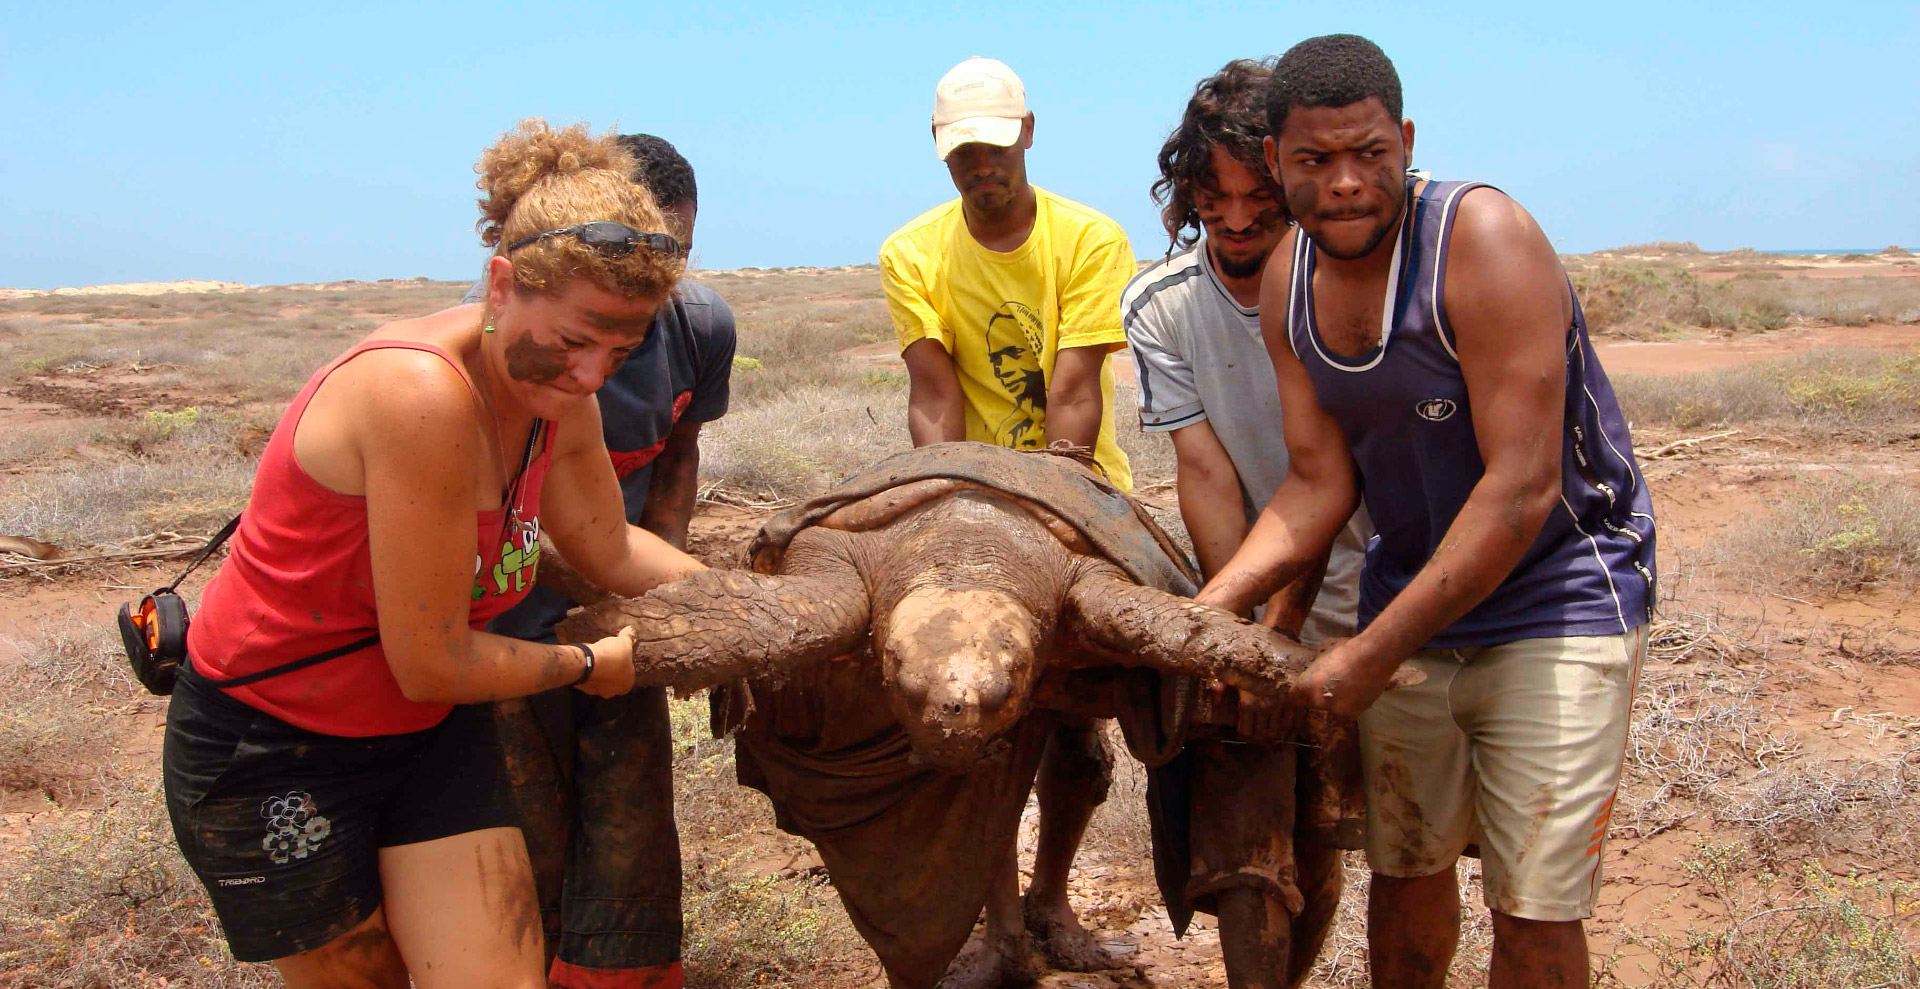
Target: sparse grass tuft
101,898
1815,930
1834,536
1840,389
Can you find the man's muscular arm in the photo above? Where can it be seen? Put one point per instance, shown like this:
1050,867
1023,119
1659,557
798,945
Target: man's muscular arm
1298,526
1507,302
1073,395
936,407
1209,490
668,510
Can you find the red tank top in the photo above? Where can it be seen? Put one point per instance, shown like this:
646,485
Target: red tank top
298,580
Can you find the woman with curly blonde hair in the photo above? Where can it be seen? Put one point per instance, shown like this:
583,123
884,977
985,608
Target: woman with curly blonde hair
348,816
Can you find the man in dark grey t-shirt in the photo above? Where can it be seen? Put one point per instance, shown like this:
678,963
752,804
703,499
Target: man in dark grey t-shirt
592,776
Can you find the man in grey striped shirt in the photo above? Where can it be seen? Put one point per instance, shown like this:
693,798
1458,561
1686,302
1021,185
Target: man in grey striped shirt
1193,326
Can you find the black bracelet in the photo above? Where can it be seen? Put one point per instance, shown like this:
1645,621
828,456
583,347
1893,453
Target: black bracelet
586,672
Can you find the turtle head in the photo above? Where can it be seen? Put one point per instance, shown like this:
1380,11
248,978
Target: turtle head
960,666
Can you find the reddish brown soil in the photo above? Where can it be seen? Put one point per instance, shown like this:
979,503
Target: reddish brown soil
1707,354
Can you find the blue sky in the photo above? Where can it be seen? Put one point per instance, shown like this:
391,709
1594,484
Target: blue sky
273,143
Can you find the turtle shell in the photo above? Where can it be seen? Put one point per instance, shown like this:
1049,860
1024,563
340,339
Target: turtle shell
1081,508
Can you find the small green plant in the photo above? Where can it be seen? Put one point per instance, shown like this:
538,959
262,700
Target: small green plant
1814,931
1838,535
161,425
745,364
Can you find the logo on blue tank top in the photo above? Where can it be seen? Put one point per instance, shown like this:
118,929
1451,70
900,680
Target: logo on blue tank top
1435,409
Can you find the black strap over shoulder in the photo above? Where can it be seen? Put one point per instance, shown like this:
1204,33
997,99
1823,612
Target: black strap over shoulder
213,545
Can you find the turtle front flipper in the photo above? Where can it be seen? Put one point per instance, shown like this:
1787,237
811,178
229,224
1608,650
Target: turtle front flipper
1142,626
720,625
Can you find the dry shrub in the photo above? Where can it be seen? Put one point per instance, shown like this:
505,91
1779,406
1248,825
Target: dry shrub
764,932
1832,535
102,899
46,740
259,345
1866,809
1343,959
803,415
1638,298
1840,301
1814,930
1658,247
52,699
744,929
190,482
1150,454
804,439
48,439
1827,390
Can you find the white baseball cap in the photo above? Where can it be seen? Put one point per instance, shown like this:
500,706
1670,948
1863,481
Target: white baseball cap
978,101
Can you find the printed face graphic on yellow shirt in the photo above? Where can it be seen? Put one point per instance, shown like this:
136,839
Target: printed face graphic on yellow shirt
1014,343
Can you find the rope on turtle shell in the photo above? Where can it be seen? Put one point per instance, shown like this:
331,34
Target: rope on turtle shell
1073,451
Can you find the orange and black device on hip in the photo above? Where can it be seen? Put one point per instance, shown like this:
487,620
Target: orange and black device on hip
154,631
155,634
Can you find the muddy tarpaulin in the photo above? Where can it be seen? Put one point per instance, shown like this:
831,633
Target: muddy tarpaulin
911,850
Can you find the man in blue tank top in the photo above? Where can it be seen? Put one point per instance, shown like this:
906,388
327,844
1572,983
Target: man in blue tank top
1432,359
593,776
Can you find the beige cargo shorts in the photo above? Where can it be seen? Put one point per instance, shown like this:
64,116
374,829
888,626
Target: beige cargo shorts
1516,747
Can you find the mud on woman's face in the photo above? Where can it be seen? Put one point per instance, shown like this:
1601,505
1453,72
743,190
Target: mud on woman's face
574,340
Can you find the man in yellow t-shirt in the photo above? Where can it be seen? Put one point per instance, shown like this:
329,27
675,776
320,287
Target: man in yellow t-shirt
1006,300
1007,303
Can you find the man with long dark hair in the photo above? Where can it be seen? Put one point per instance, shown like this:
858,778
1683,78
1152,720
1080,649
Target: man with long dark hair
1193,325
1431,355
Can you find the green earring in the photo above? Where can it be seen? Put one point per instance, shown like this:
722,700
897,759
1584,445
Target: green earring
487,328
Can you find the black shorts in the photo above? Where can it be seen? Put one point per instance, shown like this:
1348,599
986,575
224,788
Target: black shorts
284,825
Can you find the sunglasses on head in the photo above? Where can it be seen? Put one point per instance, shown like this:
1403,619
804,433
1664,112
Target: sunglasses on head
608,239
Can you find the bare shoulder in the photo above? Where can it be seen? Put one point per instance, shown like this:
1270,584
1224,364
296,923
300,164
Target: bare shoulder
1504,281
402,391
1490,231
